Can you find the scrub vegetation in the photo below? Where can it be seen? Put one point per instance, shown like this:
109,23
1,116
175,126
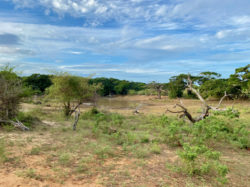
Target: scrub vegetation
131,140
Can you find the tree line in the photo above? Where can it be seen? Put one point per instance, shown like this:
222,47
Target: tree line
210,84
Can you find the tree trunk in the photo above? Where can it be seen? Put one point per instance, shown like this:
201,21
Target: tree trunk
159,94
77,114
67,109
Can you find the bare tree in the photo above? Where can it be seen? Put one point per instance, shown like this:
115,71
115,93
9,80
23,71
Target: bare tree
158,87
205,107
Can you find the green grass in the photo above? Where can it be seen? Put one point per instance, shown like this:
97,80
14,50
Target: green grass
30,173
35,151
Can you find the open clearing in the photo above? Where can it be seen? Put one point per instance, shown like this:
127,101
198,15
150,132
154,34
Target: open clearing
54,155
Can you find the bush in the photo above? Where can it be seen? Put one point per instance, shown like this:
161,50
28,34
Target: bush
10,93
132,92
200,160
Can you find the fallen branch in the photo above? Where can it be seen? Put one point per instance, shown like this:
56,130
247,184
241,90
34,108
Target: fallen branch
16,124
136,111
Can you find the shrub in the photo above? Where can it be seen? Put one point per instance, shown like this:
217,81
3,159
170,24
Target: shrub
10,93
201,160
156,149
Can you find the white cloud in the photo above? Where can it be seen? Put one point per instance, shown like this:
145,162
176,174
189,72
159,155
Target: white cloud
222,34
241,20
138,32
76,52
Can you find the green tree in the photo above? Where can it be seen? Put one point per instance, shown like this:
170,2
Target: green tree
238,83
112,86
71,91
177,85
38,82
214,88
122,88
206,76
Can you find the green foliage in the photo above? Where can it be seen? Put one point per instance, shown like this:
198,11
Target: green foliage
176,86
27,119
197,155
116,87
67,89
238,83
155,148
213,88
104,152
35,151
10,93
206,76
187,94
38,82
228,113
173,133
200,160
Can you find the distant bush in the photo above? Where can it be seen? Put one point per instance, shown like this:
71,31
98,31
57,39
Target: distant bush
132,92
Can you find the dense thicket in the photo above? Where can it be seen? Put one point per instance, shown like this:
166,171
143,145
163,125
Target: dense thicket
116,87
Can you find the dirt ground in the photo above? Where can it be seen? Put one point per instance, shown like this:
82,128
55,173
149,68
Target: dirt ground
29,169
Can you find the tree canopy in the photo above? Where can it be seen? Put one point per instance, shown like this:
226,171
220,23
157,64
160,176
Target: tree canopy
71,91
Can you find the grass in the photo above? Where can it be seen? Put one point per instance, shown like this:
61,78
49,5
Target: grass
3,154
35,151
118,150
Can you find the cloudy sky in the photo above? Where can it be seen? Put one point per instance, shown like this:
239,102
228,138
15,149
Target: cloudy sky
140,40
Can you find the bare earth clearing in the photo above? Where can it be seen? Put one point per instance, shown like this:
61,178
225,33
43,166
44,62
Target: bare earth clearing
53,155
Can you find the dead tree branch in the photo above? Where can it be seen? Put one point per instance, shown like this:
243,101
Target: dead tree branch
136,111
16,124
205,109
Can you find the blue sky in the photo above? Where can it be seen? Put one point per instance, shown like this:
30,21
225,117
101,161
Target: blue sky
139,40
